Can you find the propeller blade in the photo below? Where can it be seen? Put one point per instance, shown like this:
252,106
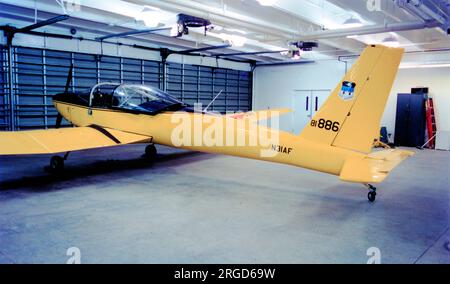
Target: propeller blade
66,90
58,120
69,79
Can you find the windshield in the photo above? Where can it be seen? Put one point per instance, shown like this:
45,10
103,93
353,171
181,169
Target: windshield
142,98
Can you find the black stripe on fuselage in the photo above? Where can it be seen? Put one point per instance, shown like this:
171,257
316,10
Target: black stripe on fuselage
105,132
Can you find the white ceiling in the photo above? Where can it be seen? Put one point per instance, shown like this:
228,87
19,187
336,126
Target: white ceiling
263,27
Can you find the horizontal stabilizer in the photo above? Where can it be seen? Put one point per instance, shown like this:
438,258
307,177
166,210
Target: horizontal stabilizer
374,167
64,140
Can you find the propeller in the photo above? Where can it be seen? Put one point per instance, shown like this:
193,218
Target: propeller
66,90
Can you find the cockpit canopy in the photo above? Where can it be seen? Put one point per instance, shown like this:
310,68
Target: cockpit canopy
143,98
132,97
127,97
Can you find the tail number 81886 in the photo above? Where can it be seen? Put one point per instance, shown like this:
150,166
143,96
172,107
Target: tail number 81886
325,124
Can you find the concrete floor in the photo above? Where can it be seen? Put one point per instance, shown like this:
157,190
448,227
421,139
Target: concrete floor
201,208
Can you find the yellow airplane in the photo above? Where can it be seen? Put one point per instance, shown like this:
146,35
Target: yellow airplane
338,140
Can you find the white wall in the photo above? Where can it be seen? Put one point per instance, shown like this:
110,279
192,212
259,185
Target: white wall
274,87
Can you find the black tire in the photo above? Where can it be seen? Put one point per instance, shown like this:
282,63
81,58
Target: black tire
150,152
56,164
371,196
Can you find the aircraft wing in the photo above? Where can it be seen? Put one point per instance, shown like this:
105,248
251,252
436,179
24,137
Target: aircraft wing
64,140
373,167
260,114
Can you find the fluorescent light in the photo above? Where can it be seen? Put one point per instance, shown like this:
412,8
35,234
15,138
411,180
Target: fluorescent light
174,30
150,16
352,23
352,36
242,32
267,2
414,66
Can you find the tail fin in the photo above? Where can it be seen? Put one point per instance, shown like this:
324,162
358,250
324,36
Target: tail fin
350,118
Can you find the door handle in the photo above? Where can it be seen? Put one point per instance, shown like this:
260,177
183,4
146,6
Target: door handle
317,103
307,103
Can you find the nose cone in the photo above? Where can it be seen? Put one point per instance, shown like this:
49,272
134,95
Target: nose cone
61,97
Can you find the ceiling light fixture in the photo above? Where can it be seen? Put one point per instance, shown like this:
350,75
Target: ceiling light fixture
150,16
391,41
242,32
352,23
414,66
174,30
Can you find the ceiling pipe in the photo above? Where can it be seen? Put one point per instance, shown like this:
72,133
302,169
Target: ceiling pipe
375,29
252,53
129,33
414,11
424,8
44,23
284,63
189,51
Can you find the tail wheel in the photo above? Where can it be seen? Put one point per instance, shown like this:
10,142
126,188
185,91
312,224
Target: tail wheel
371,196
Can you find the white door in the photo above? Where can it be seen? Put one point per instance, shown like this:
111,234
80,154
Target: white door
305,104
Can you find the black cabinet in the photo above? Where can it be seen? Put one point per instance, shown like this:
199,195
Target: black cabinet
410,120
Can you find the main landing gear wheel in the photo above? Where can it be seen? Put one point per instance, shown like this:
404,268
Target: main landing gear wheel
150,152
372,194
56,164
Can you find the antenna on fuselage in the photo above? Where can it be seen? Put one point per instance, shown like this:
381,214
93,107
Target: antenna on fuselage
206,108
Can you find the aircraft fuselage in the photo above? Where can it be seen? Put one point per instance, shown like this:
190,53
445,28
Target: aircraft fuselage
287,149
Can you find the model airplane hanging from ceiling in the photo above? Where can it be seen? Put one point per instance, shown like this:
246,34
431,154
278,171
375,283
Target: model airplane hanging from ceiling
338,140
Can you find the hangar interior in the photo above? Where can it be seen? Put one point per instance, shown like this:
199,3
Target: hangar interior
237,56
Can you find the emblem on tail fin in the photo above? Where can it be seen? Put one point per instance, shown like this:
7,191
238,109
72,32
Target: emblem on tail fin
347,90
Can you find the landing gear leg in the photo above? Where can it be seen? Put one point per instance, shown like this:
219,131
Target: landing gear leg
57,163
372,194
150,152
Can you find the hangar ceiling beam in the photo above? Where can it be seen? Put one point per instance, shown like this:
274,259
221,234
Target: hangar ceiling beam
218,16
375,29
41,24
